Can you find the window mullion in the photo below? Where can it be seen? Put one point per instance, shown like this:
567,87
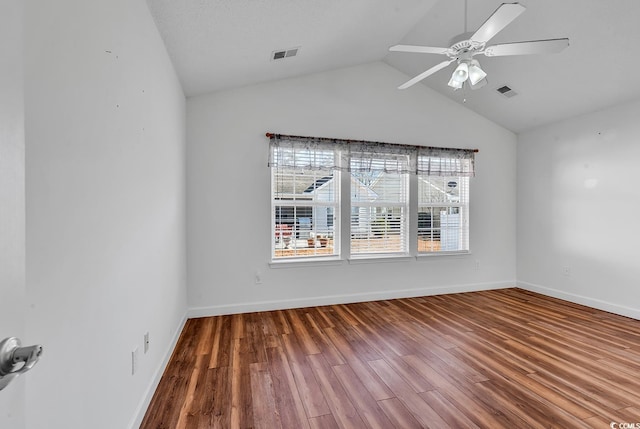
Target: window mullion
345,209
413,214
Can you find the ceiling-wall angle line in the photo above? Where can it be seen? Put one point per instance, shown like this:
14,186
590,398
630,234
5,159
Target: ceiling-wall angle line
329,139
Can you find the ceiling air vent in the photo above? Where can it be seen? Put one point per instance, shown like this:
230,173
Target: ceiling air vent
285,53
505,91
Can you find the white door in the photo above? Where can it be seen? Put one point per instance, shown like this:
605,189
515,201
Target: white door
12,201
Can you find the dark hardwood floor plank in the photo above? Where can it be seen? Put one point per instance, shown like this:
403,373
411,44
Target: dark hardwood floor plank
206,330
311,396
341,406
410,399
329,350
220,349
466,401
598,422
320,316
268,324
347,315
363,401
372,382
323,422
448,411
237,326
287,399
299,328
241,395
400,417
383,339
215,394
281,322
414,379
487,393
263,399
190,411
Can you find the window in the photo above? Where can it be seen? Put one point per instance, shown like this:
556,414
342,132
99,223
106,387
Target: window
380,198
305,190
443,214
443,200
379,203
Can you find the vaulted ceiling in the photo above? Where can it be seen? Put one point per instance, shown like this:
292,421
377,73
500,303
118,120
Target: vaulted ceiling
221,44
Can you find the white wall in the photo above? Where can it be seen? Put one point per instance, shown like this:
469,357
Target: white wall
12,257
105,201
228,189
578,203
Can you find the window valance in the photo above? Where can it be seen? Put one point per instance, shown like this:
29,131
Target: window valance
319,153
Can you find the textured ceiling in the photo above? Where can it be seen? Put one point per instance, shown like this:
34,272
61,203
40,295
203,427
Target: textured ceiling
219,44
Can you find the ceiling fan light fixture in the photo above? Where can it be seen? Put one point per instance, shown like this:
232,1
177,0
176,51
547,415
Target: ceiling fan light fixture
476,74
454,83
461,73
480,84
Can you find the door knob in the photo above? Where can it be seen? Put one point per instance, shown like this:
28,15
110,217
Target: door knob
16,360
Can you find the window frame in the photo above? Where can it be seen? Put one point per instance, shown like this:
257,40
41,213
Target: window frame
404,204
462,205
291,202
441,162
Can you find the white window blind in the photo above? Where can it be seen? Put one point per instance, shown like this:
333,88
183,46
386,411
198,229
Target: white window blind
379,201
305,202
443,213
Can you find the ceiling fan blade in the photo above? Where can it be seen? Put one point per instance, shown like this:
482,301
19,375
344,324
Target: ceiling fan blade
425,74
418,49
551,46
502,17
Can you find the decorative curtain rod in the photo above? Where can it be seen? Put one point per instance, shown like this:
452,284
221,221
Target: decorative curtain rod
328,139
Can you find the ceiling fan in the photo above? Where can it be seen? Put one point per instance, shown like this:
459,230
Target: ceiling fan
465,48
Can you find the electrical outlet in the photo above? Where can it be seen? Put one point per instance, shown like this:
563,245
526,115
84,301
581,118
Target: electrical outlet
146,342
258,278
566,271
134,361
477,264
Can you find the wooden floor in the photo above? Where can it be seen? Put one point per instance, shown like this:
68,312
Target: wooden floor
495,359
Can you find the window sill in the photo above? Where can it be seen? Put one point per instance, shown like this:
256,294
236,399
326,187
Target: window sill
335,261
437,254
380,258
307,262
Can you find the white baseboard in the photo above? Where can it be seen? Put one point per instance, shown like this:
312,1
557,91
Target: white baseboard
250,307
621,310
155,381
